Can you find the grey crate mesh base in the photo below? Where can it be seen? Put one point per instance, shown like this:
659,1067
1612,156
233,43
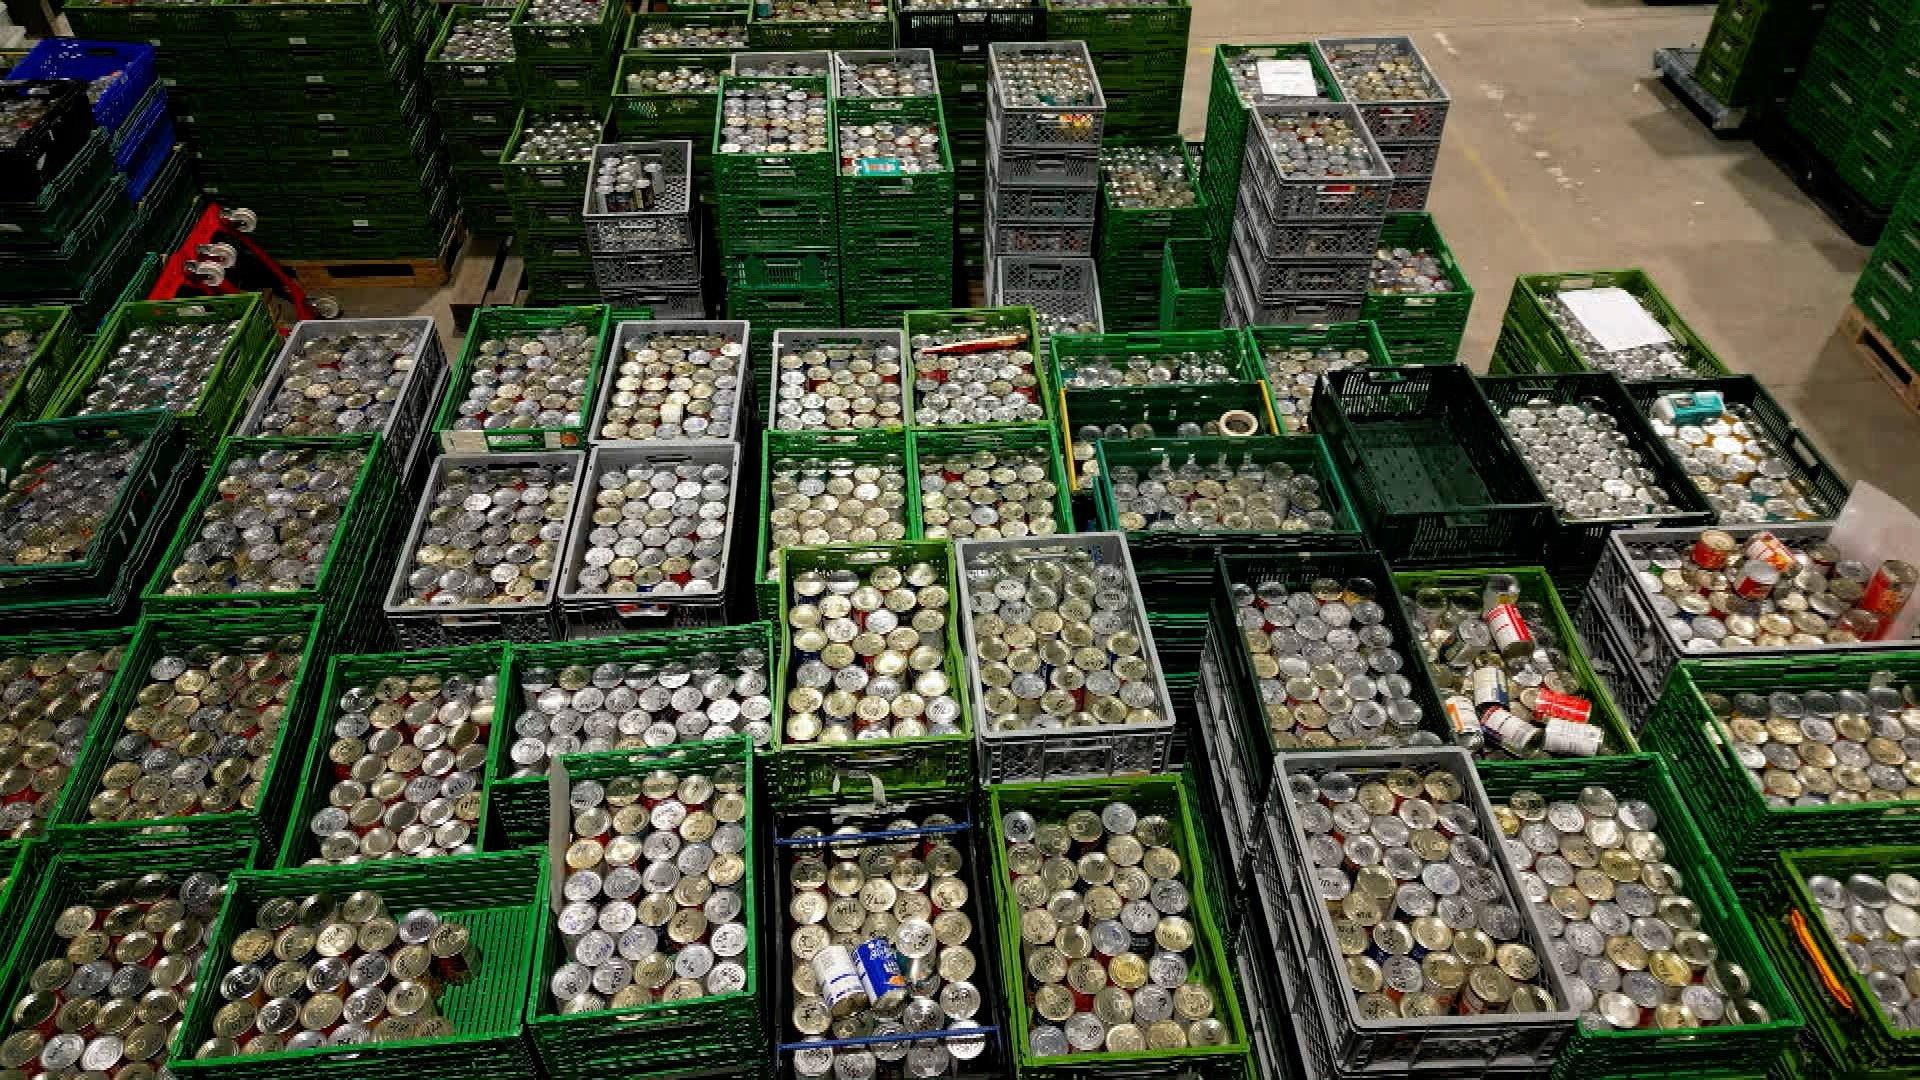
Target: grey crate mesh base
1068,289
430,627
646,270
1614,664
1409,194
1038,239
1279,277
1042,168
669,226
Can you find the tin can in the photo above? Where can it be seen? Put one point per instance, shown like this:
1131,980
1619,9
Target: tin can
1890,588
1489,688
1462,717
880,974
1512,733
1570,739
1554,705
1509,629
1756,581
1768,548
839,980
1712,549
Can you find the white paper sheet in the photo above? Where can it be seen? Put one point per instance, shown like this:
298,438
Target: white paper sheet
1286,78
1874,527
1615,319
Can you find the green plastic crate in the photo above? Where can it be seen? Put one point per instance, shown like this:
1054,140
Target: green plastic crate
1227,114
1009,321
723,32
500,898
156,635
57,209
1165,795
1129,239
880,194
565,42
1343,336
1748,832
1065,350
769,28
804,773
65,267
469,78
498,322
859,447
688,115
1434,479
1122,28
929,445
1153,411
518,804
1536,587
224,398
1752,1049
1175,548
316,777
804,175
352,547
555,180
37,381
1440,318
667,1038
1555,353
1192,295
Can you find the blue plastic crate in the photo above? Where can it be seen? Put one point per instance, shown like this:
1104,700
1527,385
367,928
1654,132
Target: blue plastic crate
131,140
157,148
70,58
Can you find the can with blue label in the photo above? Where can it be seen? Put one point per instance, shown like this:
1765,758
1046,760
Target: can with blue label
841,986
880,973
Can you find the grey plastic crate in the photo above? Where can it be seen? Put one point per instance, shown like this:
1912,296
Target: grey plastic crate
1037,239
1237,806
1008,756
433,627
1303,198
1043,127
1040,205
1043,168
1615,664
1412,119
818,62
785,341
664,302
1648,643
590,615
646,270
1303,240
668,227
419,394
626,331
1067,289
1343,274
1409,194
1410,159
1245,309
1455,1047
846,85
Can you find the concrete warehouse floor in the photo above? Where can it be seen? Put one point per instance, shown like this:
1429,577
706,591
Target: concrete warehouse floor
1562,152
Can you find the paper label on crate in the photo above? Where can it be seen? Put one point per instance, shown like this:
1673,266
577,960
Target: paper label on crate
1615,319
1286,78
879,166
463,442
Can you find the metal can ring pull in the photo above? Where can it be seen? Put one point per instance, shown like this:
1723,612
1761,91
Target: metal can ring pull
1239,424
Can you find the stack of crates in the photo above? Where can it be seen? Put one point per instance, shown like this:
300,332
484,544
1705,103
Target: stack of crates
798,25
564,50
1419,327
1138,219
1888,292
1245,76
1755,50
1405,110
1043,180
1140,51
777,217
641,231
1302,245
128,101
476,88
353,170
1858,98
896,224
959,36
667,82
546,175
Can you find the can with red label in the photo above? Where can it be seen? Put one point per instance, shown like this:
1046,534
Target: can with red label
1770,549
1554,705
1757,579
1712,549
1890,588
1509,629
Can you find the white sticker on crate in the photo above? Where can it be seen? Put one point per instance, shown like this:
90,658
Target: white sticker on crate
1286,78
1615,318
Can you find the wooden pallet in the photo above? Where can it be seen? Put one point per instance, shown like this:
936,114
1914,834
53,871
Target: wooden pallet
1878,351
379,273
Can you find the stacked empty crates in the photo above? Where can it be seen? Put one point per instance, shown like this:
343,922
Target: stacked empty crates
1858,101
1313,191
895,199
640,228
1755,50
1149,194
314,115
1245,76
1403,104
667,82
475,83
958,32
1140,51
1045,121
776,214
1888,292
545,164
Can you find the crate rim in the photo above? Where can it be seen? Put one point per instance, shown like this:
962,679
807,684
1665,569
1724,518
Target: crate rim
1347,522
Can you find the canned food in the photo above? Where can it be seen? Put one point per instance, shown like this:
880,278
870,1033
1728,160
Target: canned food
1662,360
271,530
969,376
821,501
988,494
1294,371
1812,746
622,704
477,40
490,537
1408,271
903,74
772,117
868,655
673,385
655,530
1589,469
160,366
1770,594
1220,496
57,501
839,384
1728,454
537,379
344,382
1872,916
824,11
1379,71
48,702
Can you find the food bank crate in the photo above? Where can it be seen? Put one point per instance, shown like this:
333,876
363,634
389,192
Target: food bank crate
498,898
964,31
1229,108
877,189
889,448
1345,336
1421,316
1434,479
1068,290
488,80
426,374
130,66
628,331
564,43
588,614
1043,127
1169,797
178,633
58,340
667,226
1550,347
687,32
784,24
637,113
1191,293
317,776
846,77
1295,198
1008,755
44,222
1139,28
1397,119
1486,1045
1754,1048
518,798
1688,724
534,179
1090,416
213,414
682,1037
499,322
806,772
435,626
1811,472
1576,544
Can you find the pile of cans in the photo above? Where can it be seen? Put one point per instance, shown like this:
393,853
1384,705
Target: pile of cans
409,755
1507,683
655,888
1873,918
164,365
1818,747
883,941
50,699
533,380
112,998
844,380
347,972
57,500
814,501
988,494
1744,473
964,376
1402,103
1220,495
1619,918
654,525
668,380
